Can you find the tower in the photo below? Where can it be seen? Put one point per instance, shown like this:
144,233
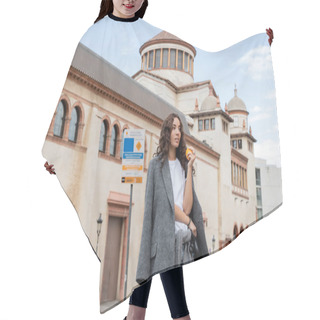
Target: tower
242,157
169,57
240,134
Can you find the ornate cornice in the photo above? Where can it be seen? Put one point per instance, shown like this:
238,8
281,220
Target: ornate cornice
169,41
100,89
207,113
243,135
105,92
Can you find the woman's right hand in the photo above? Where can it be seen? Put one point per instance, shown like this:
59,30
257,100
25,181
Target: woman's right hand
193,228
49,168
191,156
270,35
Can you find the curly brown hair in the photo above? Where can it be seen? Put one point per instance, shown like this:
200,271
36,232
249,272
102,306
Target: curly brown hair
106,7
164,141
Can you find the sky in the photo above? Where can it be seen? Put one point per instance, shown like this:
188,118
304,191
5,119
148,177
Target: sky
48,270
246,65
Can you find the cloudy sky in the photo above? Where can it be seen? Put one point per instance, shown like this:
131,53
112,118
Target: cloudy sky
248,65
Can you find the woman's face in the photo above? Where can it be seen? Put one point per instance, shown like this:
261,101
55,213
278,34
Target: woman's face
126,8
175,133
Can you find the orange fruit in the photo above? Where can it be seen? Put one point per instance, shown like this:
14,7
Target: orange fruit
188,151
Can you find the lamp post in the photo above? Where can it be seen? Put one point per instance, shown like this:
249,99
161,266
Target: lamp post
213,242
99,223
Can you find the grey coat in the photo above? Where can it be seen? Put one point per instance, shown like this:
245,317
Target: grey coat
157,248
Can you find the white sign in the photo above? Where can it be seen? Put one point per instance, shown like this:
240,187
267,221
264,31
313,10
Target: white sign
133,155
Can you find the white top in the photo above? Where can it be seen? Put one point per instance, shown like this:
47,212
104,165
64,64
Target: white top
178,179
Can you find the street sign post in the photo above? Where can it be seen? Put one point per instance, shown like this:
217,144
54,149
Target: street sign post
132,171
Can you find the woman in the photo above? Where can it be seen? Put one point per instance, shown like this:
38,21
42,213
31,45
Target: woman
123,9
171,151
181,218
172,212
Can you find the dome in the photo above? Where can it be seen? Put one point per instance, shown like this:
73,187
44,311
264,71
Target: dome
236,103
169,57
209,103
166,37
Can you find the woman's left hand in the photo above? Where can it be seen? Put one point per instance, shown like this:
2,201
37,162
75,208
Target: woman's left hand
193,228
191,157
49,168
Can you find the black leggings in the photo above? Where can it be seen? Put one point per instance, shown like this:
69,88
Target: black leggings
172,281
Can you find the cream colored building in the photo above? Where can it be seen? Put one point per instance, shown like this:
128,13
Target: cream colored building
167,68
84,143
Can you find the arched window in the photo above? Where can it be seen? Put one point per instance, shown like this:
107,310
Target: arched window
60,119
122,141
113,142
74,125
103,136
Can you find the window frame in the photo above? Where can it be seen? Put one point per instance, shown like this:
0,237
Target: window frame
74,126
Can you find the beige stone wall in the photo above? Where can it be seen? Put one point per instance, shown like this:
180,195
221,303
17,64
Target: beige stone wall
158,87
229,210
97,177
177,77
186,100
